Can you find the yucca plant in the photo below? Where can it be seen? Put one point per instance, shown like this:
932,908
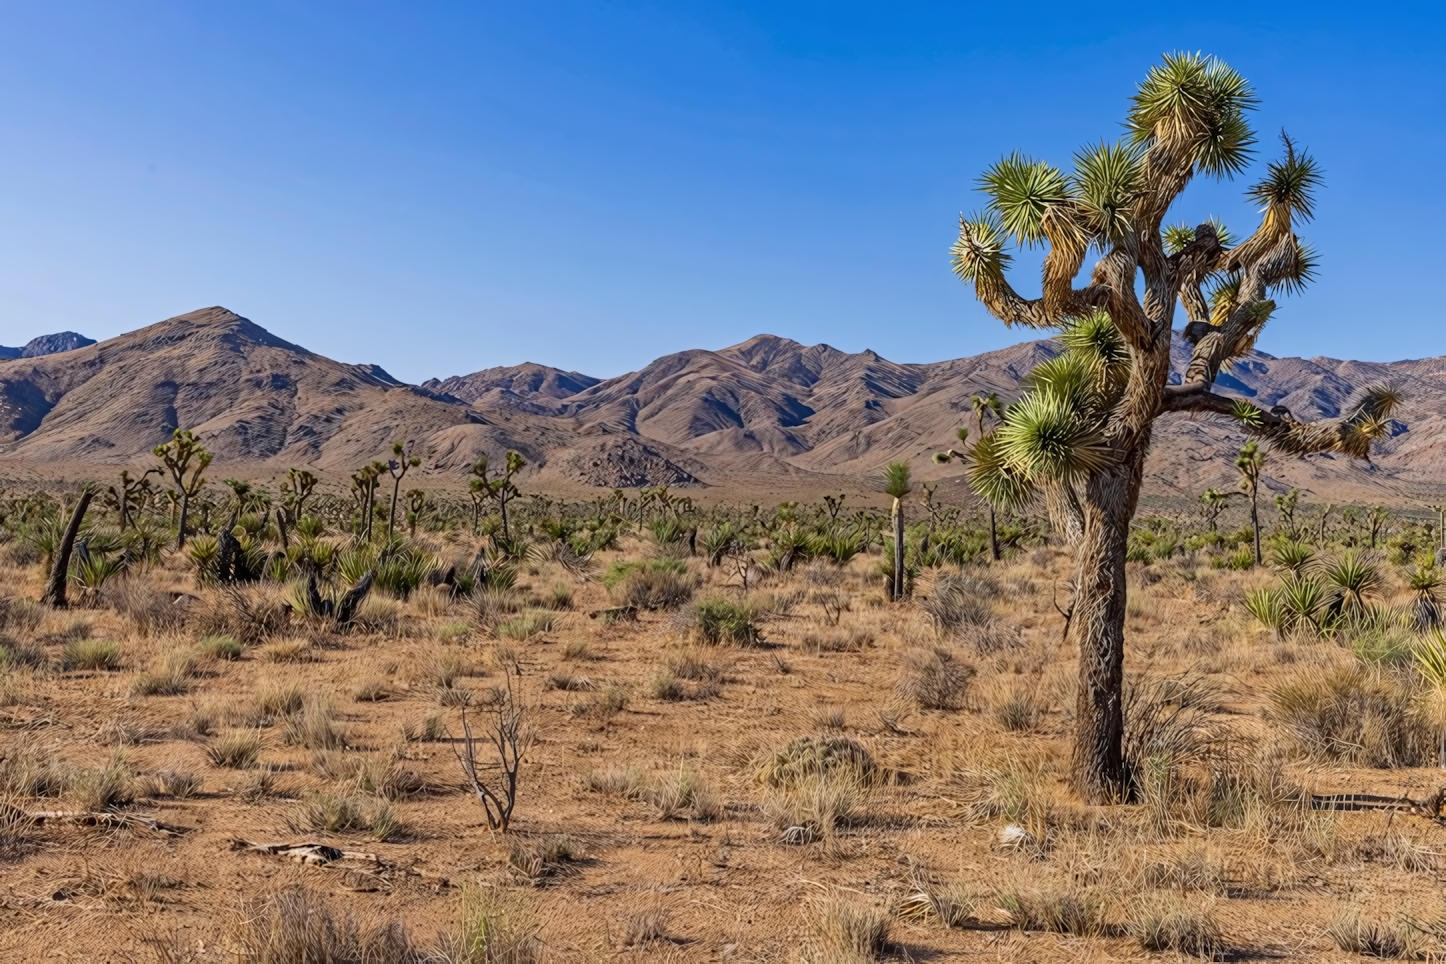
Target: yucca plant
1431,662
1080,434
1354,581
1425,582
1303,601
1250,462
1288,555
1265,604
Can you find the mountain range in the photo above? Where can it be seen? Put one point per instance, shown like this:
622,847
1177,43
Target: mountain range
768,416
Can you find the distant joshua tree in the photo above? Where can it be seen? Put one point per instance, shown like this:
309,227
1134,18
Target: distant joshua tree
398,466
1084,425
185,460
897,485
1250,462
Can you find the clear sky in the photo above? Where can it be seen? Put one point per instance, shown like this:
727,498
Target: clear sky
442,187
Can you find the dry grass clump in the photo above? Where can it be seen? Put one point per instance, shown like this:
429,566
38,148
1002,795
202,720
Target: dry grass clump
340,813
935,680
296,649
221,647
105,788
294,925
1064,908
1355,715
523,627
853,640
92,654
373,689
1394,940
314,727
492,928
1169,922
578,650
651,584
958,599
20,615
947,905
237,750
175,783
570,682
845,930
30,770
170,674
278,697
149,610
538,860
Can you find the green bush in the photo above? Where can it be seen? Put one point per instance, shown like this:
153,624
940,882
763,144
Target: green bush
720,620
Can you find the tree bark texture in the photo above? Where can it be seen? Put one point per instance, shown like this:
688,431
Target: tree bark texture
898,520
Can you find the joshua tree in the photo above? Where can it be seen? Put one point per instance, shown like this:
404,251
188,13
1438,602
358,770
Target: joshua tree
298,487
988,405
185,460
398,468
1249,462
60,563
1285,505
131,492
1376,520
1085,423
896,485
498,487
416,506
364,482
1214,501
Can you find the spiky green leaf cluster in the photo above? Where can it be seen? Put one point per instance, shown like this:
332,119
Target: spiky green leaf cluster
1194,106
1055,434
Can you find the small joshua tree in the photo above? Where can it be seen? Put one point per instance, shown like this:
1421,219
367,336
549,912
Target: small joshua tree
398,468
364,483
1082,430
298,487
185,460
509,736
1250,462
499,487
1213,501
897,485
131,492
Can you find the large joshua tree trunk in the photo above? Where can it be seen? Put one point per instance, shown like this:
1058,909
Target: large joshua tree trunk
1097,628
898,526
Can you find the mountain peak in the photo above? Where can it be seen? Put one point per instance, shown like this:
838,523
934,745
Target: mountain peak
48,345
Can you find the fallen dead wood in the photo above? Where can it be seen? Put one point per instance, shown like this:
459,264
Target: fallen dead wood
1430,807
360,870
103,818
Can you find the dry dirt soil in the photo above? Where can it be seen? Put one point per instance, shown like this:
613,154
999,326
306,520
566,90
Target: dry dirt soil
643,829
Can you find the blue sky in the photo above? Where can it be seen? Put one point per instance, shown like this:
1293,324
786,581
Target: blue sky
441,187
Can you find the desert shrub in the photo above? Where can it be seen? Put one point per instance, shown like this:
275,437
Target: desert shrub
1063,909
560,596
1167,726
1396,940
836,641
174,783
935,680
250,614
150,610
221,647
296,925
527,625
718,620
1167,922
535,861
237,750
292,650
314,727
17,655
817,755
29,770
104,788
92,654
958,600
651,584
1353,714
454,632
277,697
169,675
846,930
492,928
